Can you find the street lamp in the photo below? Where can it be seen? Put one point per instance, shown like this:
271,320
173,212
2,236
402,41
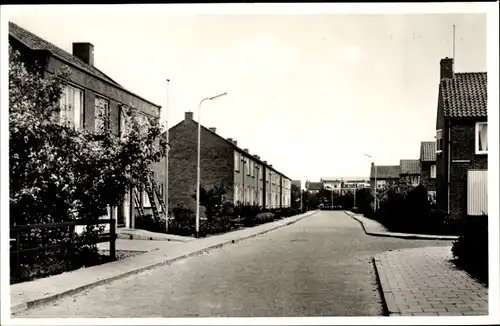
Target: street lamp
165,190
375,183
198,163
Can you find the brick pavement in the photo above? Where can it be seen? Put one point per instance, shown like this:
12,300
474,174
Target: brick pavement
320,266
424,282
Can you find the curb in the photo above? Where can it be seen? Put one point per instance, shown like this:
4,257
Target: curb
404,235
45,300
390,302
129,236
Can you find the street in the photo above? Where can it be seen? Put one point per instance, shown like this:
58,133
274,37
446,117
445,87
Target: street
319,266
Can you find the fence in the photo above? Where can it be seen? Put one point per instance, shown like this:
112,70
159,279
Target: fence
16,231
477,192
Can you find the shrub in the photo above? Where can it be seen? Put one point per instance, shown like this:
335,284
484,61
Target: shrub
264,217
471,248
184,222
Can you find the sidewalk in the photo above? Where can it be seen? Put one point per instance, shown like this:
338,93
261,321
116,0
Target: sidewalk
136,234
424,282
374,228
26,295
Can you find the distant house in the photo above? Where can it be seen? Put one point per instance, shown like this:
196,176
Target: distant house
314,187
410,169
383,174
428,166
462,142
334,184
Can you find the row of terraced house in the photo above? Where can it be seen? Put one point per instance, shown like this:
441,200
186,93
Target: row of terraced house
89,92
454,167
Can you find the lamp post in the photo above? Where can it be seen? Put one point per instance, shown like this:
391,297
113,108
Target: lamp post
375,183
165,192
198,161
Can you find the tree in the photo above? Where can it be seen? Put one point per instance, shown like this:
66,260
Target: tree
295,196
59,173
213,200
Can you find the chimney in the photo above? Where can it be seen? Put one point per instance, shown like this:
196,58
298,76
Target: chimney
235,142
230,140
270,165
188,115
446,68
85,52
257,157
265,162
213,129
246,150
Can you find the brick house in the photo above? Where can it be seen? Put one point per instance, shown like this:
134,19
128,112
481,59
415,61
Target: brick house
384,174
428,166
410,169
89,91
461,142
246,178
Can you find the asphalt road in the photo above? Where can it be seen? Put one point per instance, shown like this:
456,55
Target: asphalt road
319,266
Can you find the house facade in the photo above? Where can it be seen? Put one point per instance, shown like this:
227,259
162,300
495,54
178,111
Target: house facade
246,178
383,174
314,187
461,142
410,169
428,167
89,94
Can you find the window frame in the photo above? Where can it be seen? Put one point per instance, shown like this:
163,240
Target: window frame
476,140
237,162
81,113
433,169
96,117
438,140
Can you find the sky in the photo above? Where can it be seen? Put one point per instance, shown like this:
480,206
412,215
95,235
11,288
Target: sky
311,94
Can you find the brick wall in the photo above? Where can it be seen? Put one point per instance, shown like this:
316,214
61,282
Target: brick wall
94,86
462,148
425,176
217,163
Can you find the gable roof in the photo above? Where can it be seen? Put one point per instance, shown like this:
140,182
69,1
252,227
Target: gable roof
409,166
314,186
35,42
464,95
239,149
428,151
385,172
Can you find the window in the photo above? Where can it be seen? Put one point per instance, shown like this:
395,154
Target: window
482,138
260,172
252,168
433,171
236,193
145,199
71,103
101,111
439,141
236,161
247,165
260,197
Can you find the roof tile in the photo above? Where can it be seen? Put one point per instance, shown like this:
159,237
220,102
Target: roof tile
35,42
410,166
428,151
385,172
465,95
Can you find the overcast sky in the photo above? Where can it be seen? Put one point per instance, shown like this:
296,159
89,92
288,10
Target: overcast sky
310,94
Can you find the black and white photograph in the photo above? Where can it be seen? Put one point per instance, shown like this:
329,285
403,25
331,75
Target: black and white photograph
249,163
